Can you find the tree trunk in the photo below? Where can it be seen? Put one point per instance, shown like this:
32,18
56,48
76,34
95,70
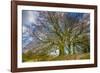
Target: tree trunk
62,51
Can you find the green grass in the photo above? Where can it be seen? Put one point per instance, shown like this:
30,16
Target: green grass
35,58
73,57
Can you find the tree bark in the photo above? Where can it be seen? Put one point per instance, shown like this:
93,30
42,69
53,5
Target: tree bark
62,51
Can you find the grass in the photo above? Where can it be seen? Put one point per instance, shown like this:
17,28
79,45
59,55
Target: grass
35,58
73,57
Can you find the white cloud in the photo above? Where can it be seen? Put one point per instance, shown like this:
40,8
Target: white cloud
24,29
32,16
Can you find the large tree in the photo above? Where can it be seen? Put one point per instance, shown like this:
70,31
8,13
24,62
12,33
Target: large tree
65,31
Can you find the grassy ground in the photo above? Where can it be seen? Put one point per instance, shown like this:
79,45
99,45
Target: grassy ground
35,58
73,57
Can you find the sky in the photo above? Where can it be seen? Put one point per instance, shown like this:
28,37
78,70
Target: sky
28,17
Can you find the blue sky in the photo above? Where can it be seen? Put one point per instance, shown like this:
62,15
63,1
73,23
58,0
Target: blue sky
28,17
75,15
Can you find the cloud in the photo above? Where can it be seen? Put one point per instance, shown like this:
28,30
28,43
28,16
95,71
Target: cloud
29,16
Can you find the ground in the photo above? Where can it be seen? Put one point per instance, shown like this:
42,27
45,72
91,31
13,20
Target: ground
35,58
